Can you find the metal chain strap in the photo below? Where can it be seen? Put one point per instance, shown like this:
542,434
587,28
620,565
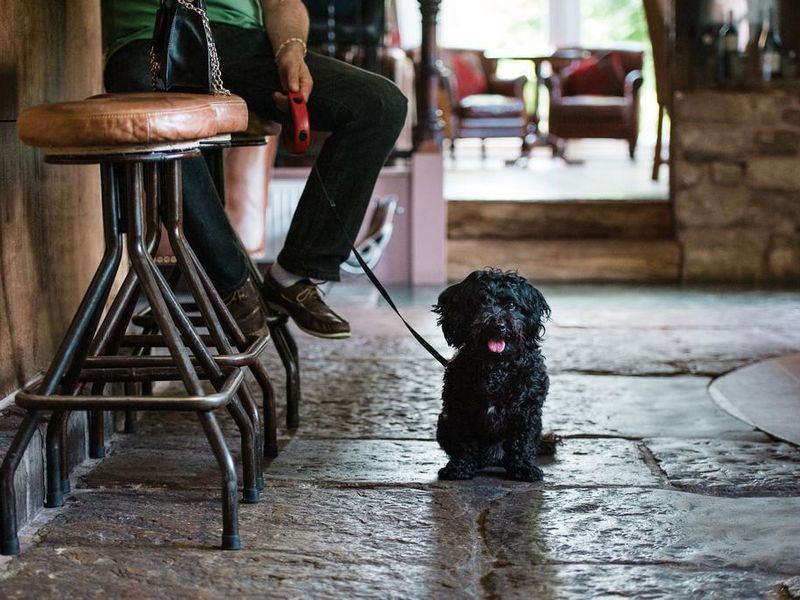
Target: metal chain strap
218,88
153,69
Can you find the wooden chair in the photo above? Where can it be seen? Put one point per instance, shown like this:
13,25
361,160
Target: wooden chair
479,104
657,13
597,97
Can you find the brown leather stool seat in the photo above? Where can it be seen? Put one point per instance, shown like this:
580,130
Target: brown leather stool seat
230,111
151,119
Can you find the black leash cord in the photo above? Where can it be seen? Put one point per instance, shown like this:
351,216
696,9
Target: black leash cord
375,281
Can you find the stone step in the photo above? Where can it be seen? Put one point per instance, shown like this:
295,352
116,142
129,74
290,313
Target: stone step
569,260
29,480
647,219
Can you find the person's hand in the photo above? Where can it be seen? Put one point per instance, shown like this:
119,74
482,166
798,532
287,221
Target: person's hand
294,75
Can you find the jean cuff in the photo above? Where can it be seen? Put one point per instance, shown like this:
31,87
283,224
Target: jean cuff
303,270
230,288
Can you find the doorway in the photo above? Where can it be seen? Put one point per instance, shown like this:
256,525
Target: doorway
597,169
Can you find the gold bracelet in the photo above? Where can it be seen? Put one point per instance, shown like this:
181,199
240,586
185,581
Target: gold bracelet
289,41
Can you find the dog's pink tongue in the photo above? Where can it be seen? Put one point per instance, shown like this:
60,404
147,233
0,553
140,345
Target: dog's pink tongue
497,346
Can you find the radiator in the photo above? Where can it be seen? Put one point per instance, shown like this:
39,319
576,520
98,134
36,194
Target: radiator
283,198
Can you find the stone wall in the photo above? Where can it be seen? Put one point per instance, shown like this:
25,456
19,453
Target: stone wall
736,185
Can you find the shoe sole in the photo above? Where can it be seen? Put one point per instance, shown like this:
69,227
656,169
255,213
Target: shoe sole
325,336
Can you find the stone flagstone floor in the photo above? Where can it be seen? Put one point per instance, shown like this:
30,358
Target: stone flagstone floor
655,493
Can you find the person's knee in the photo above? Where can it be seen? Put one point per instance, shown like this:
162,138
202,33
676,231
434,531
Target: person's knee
388,108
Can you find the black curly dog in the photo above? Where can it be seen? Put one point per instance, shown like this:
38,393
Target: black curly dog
496,383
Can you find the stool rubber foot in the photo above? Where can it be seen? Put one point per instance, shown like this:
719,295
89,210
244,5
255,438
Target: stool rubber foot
271,451
231,542
260,483
251,496
292,422
54,500
97,452
66,486
10,548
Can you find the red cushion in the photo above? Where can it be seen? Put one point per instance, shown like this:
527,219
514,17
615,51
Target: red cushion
595,76
469,75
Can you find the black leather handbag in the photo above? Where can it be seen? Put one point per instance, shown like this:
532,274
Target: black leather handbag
183,57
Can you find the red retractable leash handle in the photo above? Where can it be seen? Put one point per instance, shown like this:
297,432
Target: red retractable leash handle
297,134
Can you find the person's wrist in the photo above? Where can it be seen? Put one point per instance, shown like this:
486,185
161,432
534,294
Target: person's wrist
291,54
291,47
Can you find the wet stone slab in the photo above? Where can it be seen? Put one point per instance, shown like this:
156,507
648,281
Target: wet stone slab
576,463
659,351
765,314
644,526
371,398
305,541
170,468
623,581
728,467
638,407
656,351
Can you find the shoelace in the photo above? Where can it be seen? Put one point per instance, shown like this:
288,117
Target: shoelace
308,293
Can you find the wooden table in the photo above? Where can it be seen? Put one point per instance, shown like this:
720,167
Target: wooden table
536,137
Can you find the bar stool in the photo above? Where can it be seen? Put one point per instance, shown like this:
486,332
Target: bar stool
266,438
127,135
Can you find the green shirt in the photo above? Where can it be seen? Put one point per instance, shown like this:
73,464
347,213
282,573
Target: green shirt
128,20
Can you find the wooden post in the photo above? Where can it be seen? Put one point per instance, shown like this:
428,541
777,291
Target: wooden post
428,132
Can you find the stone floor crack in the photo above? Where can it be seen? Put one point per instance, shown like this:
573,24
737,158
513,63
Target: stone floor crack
652,464
488,559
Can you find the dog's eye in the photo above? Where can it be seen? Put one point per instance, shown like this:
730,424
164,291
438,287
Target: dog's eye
510,306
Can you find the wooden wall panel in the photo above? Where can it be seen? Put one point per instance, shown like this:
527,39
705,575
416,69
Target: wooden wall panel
50,222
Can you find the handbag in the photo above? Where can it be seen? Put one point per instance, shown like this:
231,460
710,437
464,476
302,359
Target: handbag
183,57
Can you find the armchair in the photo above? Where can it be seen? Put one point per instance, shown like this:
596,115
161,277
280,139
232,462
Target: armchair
477,103
597,97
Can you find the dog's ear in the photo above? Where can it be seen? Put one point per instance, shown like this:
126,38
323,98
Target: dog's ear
537,309
451,310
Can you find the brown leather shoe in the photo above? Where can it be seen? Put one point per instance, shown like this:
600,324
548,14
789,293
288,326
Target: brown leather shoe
304,304
245,306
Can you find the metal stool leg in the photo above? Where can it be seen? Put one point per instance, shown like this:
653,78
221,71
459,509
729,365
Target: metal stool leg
75,346
171,206
148,274
270,419
230,507
55,487
257,368
290,364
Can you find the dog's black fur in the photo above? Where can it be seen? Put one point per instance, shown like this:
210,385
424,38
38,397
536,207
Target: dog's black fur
493,395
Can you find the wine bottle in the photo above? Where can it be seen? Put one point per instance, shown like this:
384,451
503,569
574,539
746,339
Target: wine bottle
770,48
728,50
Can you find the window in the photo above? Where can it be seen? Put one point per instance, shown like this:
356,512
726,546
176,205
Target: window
496,25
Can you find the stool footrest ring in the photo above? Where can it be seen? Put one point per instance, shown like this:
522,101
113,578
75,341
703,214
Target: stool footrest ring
29,400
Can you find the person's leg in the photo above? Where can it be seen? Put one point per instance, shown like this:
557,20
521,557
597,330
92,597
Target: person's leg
207,227
364,114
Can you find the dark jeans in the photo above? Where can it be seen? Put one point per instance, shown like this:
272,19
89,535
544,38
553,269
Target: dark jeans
364,114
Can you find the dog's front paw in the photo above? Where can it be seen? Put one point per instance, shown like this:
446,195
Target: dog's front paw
526,473
451,472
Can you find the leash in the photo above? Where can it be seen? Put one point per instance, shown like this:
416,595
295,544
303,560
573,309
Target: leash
297,140
372,277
